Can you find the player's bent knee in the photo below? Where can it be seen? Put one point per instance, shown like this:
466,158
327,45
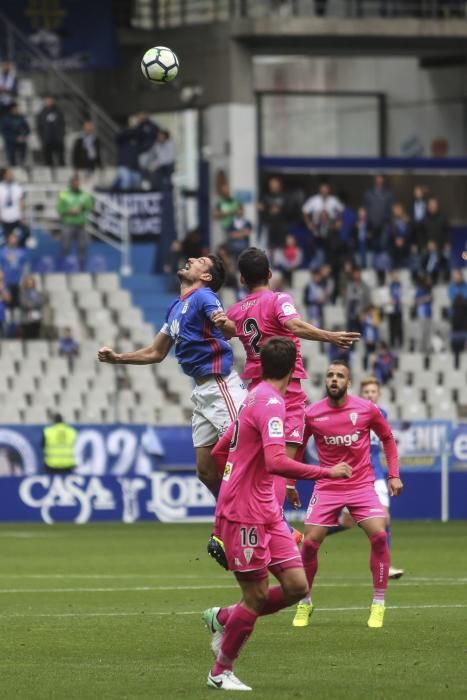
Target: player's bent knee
379,541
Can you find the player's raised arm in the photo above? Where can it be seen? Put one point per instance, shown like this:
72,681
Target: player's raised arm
306,331
152,354
383,430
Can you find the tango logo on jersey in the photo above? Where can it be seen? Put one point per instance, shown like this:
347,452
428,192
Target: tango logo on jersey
288,309
353,417
275,427
346,440
272,401
175,329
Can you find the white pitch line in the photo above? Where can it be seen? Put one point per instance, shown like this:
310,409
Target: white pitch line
208,587
350,580
353,608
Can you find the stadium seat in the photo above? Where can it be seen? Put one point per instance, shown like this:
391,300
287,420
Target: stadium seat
412,410
35,414
41,175
443,410
81,282
170,414
11,348
56,282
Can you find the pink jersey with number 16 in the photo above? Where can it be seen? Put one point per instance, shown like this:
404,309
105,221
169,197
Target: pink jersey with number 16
258,317
247,492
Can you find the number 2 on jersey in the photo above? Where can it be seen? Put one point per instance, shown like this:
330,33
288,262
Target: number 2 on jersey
251,328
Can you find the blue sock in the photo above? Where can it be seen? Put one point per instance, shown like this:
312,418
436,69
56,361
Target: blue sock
388,535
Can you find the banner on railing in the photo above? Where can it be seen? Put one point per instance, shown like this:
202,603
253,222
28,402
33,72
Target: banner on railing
167,497
145,213
73,34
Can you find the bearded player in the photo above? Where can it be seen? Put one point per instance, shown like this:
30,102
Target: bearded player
341,425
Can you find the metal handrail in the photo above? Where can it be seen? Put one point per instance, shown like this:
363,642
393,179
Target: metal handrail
107,127
121,240
171,13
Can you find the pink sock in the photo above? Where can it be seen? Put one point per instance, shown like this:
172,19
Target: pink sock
224,614
275,601
379,565
309,554
237,630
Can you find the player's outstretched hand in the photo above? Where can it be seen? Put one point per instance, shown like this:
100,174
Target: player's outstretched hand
344,339
107,355
341,471
219,318
293,497
395,486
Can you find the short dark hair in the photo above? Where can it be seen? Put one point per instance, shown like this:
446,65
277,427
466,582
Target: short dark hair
254,266
57,418
278,356
340,361
217,273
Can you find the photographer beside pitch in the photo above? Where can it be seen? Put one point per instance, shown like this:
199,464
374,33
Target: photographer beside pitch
341,426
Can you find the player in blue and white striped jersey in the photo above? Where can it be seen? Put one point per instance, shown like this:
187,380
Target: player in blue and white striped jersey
203,354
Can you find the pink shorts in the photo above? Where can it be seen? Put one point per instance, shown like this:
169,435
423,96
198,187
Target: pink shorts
325,505
295,403
258,547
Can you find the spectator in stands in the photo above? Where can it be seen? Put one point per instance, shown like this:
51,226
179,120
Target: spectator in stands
314,299
362,239
8,86
458,327
226,207
431,262
146,130
12,208
50,125
74,207
423,312
288,259
396,334
5,299
191,247
378,201
15,131
230,267
336,250
322,201
128,151
158,162
31,302
418,210
458,286
384,363
273,209
357,298
346,219
369,320
68,347
238,233
399,236
58,443
86,154
436,228
13,262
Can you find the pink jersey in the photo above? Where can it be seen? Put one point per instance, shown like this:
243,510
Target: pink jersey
343,435
258,317
247,490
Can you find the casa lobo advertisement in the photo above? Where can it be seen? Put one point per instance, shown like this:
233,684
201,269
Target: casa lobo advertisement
131,473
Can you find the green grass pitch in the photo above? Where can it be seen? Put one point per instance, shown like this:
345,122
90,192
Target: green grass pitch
109,612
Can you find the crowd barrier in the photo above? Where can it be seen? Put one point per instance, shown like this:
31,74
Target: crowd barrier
129,473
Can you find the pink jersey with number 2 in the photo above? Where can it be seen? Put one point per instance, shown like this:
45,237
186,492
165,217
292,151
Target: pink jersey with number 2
247,491
258,317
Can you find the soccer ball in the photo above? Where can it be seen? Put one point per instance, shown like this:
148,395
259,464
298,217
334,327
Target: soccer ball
159,64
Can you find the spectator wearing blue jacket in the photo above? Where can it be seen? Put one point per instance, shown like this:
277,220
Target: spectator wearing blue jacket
13,262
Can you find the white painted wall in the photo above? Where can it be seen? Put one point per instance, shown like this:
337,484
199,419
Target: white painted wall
423,104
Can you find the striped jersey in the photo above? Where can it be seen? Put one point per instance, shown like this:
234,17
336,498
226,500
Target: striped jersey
200,347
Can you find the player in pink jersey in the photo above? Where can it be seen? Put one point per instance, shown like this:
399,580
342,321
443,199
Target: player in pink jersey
265,314
248,515
341,426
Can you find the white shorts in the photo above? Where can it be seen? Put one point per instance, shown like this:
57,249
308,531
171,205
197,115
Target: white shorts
216,404
382,491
